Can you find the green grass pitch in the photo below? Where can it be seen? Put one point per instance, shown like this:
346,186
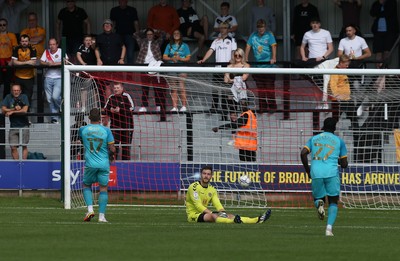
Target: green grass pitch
40,229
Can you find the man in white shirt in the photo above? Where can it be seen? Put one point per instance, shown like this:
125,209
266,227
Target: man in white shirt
227,18
319,42
354,46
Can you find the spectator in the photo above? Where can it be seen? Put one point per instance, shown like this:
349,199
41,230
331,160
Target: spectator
226,17
86,53
239,89
191,26
52,57
301,22
263,44
351,10
11,10
110,49
201,195
126,23
354,46
8,42
97,163
149,53
15,105
73,23
385,28
119,107
261,11
319,42
177,52
24,54
246,137
165,18
36,33
223,47
340,89
76,144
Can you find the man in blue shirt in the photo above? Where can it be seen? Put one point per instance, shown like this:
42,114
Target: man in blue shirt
327,150
98,143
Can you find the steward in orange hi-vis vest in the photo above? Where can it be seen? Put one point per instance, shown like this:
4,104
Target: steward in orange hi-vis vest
246,137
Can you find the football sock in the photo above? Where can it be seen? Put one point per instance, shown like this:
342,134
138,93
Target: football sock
87,196
224,220
332,213
248,220
103,200
90,208
316,203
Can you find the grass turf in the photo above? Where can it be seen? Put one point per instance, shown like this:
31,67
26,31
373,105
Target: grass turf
40,229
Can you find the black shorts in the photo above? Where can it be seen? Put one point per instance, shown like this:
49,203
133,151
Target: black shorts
196,27
383,42
201,218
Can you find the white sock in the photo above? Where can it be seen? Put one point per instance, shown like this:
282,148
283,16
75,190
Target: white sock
90,208
329,227
101,215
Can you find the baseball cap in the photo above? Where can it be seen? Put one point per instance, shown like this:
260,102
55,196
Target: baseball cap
107,21
329,124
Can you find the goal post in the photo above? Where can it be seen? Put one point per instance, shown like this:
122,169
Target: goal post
167,149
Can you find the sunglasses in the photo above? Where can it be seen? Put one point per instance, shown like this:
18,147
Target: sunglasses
238,55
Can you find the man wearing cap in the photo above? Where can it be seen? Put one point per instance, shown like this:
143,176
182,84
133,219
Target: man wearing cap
319,42
246,136
110,50
327,150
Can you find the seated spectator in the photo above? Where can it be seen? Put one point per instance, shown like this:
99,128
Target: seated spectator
37,34
149,53
8,42
177,52
340,89
354,46
319,42
86,53
226,17
77,150
191,26
261,11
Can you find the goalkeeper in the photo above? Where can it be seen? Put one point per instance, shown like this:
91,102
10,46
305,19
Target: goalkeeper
201,193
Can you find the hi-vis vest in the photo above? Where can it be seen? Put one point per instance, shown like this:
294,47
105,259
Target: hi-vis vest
246,137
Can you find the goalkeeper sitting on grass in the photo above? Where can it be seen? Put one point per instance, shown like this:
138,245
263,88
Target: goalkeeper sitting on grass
198,197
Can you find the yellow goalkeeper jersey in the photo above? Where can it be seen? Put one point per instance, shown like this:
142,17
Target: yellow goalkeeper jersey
198,198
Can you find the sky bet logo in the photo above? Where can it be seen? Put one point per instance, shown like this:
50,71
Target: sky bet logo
112,180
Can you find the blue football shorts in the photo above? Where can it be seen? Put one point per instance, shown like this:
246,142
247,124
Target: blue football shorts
325,187
93,175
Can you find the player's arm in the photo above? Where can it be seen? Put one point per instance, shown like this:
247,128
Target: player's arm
304,159
111,152
343,162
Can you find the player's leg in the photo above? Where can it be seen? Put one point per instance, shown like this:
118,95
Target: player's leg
333,191
87,192
319,192
103,177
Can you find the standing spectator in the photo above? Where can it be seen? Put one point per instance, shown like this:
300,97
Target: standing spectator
15,105
177,52
126,23
73,23
319,43
263,44
52,81
110,49
385,28
301,22
227,18
261,11
223,47
97,162
327,150
119,107
24,54
86,54
354,46
246,136
165,18
351,11
191,26
149,53
11,10
7,42
37,34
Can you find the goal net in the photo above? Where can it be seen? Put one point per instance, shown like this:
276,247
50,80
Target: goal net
167,136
